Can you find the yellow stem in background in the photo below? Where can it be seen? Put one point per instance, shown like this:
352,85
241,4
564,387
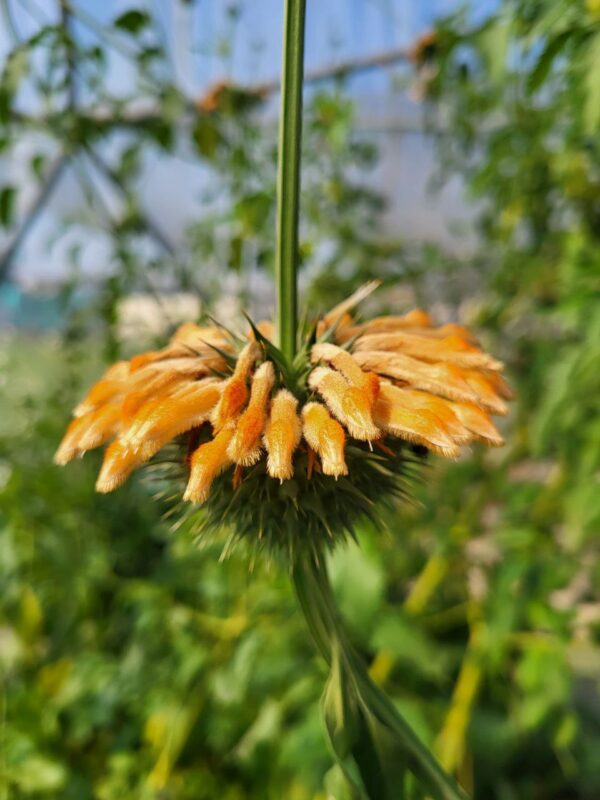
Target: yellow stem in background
426,584
451,743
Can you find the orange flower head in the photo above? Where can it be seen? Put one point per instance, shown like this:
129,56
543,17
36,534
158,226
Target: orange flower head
397,381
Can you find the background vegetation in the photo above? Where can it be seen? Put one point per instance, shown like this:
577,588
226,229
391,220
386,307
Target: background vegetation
133,663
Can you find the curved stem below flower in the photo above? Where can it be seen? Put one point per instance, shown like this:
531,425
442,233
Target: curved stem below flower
368,735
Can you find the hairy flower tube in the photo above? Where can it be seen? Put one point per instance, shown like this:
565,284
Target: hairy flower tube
292,453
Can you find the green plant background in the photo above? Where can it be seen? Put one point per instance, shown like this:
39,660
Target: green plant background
135,664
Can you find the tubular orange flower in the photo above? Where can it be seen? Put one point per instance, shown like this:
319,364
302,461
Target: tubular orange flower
326,437
235,390
417,403
350,404
419,426
157,422
439,378
282,435
109,385
337,313
88,431
452,349
368,382
207,462
118,464
245,447
414,319
478,423
189,339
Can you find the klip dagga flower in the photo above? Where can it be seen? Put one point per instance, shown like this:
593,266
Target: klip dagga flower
292,453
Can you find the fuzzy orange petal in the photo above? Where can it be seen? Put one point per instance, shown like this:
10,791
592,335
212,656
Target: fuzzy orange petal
449,329
499,385
266,328
245,447
349,404
171,351
446,380
110,385
235,390
89,431
326,437
161,420
155,389
207,461
414,320
282,435
478,422
349,367
193,367
337,312
118,464
199,335
451,349
416,401
422,427
233,398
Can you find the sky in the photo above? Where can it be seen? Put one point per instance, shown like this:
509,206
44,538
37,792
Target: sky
206,44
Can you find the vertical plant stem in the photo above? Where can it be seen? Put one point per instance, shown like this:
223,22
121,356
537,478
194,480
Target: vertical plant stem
313,589
288,175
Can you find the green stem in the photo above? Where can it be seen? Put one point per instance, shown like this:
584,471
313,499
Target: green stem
315,595
288,176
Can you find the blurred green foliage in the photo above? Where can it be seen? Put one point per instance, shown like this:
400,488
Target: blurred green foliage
133,663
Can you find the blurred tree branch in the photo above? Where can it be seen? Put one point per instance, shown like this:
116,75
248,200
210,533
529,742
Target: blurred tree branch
149,224
71,59
52,178
134,118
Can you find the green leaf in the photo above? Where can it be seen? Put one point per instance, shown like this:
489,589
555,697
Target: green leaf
384,753
546,60
340,708
206,136
409,644
273,352
359,583
8,196
591,113
252,211
493,41
38,773
38,163
132,21
15,68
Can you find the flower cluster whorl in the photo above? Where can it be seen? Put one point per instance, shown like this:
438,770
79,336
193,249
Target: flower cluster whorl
390,378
